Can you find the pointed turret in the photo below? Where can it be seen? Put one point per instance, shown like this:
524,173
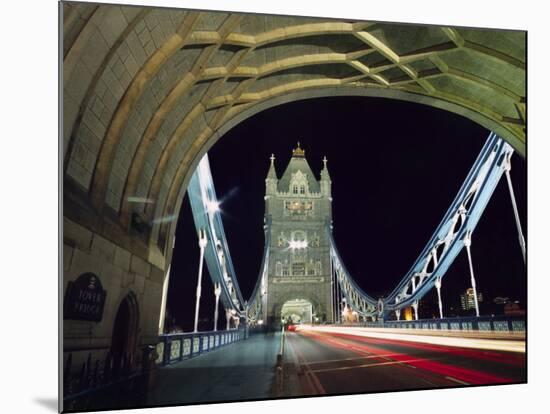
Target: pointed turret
298,179
325,180
271,180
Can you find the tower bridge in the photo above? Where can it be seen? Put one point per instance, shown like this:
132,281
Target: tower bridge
146,94
298,208
301,260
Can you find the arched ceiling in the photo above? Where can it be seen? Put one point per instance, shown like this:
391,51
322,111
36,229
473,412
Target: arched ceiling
146,91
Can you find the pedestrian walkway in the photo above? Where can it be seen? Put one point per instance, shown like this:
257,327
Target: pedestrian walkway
244,370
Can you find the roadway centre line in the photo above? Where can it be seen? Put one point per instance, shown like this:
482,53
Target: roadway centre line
376,364
311,378
458,381
349,359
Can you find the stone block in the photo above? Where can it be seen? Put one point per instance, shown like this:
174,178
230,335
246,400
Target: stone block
76,235
151,19
140,266
103,248
113,83
67,257
96,50
117,66
131,65
82,262
122,258
149,48
127,279
157,259
79,174
77,84
83,156
130,13
113,25
94,124
144,37
110,101
135,47
157,275
139,283
158,36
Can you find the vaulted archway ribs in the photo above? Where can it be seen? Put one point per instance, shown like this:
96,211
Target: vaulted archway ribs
148,91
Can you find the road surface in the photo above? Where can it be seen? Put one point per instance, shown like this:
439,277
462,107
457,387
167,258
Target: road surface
337,363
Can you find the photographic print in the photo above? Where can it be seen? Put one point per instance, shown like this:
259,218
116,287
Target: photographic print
260,207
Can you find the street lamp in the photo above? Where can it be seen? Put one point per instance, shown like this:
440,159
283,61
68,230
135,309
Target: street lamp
217,292
212,206
203,241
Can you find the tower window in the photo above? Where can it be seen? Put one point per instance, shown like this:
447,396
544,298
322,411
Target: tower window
302,190
295,189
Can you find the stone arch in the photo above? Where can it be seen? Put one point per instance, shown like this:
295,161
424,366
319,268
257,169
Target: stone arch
239,65
166,229
470,71
274,311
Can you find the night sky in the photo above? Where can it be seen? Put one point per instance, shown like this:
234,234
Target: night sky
395,169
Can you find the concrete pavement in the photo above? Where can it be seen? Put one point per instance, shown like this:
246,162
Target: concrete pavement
241,371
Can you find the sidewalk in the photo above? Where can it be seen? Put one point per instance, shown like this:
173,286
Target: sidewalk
241,371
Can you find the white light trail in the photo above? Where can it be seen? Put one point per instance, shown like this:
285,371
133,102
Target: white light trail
475,343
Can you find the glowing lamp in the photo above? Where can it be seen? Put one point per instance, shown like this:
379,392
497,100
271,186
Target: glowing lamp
297,244
212,206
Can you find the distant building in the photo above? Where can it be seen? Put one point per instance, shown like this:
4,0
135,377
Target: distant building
408,314
499,300
513,309
467,300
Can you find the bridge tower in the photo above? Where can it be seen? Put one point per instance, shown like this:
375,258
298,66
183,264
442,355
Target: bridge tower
299,207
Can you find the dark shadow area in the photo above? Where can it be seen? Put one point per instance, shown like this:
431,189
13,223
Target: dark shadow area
49,403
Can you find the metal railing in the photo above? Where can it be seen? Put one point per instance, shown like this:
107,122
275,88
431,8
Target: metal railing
113,382
177,347
499,324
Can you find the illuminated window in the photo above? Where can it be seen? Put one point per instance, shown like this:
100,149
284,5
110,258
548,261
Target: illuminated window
298,269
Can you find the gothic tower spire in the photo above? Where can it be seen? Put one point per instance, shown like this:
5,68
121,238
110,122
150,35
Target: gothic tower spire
271,180
325,180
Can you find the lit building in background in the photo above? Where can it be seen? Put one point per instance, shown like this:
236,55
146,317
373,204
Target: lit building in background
467,300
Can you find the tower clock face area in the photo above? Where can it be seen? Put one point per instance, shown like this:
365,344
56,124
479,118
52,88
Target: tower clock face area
298,206
298,209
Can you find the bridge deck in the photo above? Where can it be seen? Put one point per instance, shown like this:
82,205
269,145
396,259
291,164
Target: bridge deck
329,362
241,371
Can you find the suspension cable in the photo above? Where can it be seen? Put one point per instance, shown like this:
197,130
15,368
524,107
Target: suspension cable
507,168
